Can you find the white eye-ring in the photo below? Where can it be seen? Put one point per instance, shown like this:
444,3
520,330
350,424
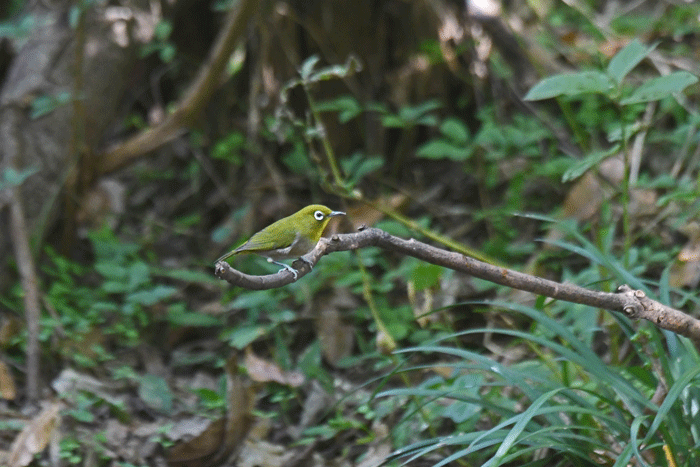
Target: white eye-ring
318,215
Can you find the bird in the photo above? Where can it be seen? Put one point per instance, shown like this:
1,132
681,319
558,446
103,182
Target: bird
290,237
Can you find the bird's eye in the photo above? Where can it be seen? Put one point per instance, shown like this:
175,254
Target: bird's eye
318,215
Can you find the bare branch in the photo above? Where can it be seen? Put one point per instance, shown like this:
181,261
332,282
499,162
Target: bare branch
194,99
27,272
633,303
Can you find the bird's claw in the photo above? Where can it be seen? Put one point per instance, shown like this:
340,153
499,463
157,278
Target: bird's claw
287,267
292,270
303,259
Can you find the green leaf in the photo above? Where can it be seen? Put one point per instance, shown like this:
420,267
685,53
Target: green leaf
427,120
179,316
256,299
210,399
155,393
12,178
410,116
367,166
335,71
308,67
346,106
358,165
115,287
242,336
580,167
152,296
393,121
459,411
19,29
229,148
414,113
163,30
44,105
139,274
110,270
297,159
628,58
167,53
663,86
189,275
426,275
441,149
571,84
455,130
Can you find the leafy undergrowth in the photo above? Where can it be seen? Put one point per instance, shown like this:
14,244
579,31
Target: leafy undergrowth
374,358
293,376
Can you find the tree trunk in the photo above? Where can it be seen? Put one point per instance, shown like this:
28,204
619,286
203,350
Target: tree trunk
85,71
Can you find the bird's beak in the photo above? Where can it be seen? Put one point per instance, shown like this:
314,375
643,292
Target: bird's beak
336,213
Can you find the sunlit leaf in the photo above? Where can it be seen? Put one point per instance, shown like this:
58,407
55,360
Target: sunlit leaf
441,149
11,177
152,296
242,336
663,86
582,166
571,84
179,316
346,106
426,275
308,66
455,130
45,104
628,58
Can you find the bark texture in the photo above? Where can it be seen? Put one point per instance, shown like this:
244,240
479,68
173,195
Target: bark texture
58,58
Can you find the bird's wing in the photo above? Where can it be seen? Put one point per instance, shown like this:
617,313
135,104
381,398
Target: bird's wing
267,240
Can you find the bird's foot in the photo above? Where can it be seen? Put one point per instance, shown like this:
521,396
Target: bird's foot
288,268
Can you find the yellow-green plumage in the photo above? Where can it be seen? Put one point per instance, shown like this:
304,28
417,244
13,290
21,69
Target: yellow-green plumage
290,237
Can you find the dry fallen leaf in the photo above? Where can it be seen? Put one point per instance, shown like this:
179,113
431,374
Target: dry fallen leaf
366,215
10,326
337,338
102,204
384,342
207,443
256,453
379,449
8,390
200,442
84,343
240,398
315,407
264,371
685,272
35,436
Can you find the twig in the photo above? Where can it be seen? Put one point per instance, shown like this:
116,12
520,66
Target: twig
27,273
632,303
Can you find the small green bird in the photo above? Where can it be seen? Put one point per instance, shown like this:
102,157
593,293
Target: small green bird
290,237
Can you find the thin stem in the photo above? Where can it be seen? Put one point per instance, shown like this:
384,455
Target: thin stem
327,147
626,224
579,134
385,342
30,289
442,239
